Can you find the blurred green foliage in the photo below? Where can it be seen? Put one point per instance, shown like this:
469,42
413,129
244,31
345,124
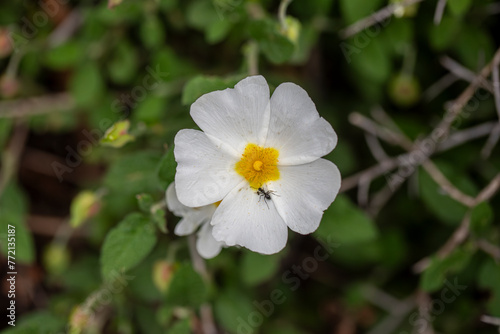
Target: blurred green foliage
146,62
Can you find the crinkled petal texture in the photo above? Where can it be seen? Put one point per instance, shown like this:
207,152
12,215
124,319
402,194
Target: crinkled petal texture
235,116
206,244
296,130
304,192
205,173
246,219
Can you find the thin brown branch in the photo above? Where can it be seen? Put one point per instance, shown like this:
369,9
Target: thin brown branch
459,103
490,320
489,248
12,154
436,88
401,140
438,14
466,135
463,72
488,191
375,18
491,142
381,198
372,172
375,147
206,314
446,185
383,133
36,105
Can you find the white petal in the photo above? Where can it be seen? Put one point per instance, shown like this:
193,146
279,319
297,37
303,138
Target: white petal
303,192
192,217
173,204
205,174
206,245
295,127
235,116
244,218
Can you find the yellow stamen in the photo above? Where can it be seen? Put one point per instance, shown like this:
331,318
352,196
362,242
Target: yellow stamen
258,165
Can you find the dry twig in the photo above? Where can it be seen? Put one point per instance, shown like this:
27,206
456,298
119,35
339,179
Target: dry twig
375,18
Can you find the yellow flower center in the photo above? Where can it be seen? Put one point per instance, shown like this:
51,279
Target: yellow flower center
258,165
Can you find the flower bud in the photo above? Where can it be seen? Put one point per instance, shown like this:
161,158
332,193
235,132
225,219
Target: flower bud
78,320
404,11
292,30
404,90
5,44
162,274
84,206
9,86
55,258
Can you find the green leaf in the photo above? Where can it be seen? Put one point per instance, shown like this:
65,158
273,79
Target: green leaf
231,308
275,46
152,32
127,244
123,65
459,7
145,201
489,275
38,322
353,10
187,288
444,35
438,201
166,168
158,217
5,128
133,174
217,31
87,85
64,56
371,61
434,276
13,209
474,44
201,85
180,327
150,110
346,223
201,14
489,278
257,268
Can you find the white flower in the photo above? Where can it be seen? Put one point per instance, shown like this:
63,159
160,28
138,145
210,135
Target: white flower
261,158
192,218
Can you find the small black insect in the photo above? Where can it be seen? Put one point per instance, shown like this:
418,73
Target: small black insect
266,194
